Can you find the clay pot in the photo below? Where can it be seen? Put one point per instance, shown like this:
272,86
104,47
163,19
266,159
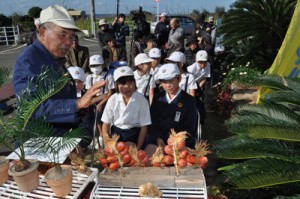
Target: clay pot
4,165
27,180
61,185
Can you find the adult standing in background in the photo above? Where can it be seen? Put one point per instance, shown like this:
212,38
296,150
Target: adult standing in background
193,48
34,34
121,30
175,39
162,29
78,56
56,34
102,32
111,52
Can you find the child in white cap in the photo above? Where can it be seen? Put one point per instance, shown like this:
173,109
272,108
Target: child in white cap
144,80
201,68
99,74
127,112
172,108
78,75
155,54
187,82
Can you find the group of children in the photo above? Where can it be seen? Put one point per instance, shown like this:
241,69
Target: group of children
142,105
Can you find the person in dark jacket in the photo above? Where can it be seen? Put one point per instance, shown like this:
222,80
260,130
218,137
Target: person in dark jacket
103,31
111,52
78,56
34,34
161,30
193,48
121,30
56,36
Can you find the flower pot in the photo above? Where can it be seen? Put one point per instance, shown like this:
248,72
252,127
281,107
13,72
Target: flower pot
4,165
61,184
27,180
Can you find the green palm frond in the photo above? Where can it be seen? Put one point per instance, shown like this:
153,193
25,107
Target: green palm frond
269,21
288,197
4,74
288,97
247,148
265,138
20,128
277,82
257,173
48,143
47,84
240,123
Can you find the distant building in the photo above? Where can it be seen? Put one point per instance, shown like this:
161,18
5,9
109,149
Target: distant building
77,14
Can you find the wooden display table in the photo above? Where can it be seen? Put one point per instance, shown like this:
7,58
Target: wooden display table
189,184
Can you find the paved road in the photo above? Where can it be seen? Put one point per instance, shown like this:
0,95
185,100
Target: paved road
8,54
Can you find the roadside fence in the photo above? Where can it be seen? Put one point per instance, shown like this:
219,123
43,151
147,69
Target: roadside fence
9,35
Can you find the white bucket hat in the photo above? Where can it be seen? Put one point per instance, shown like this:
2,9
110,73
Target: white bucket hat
154,53
122,71
141,59
177,57
201,55
168,71
77,73
59,16
96,60
163,14
102,22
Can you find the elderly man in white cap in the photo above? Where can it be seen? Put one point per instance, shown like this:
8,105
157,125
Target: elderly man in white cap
56,34
103,32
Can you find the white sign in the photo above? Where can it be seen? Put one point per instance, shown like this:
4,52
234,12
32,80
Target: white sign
43,156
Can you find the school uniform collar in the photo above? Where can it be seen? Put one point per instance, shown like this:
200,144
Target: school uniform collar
170,100
138,76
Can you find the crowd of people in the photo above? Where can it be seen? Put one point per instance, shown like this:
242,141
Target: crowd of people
141,101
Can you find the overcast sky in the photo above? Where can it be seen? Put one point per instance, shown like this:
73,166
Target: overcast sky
7,7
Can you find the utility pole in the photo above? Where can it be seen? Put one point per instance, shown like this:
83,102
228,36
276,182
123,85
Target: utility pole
118,2
93,18
157,10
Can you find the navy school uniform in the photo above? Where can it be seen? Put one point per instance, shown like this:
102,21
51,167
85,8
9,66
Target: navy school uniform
180,114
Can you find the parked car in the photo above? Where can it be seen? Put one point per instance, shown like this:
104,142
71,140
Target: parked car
187,23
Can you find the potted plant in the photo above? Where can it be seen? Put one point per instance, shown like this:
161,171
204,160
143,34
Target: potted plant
59,177
20,128
4,163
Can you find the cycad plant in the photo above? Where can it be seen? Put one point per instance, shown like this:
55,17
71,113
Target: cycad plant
20,128
256,29
266,137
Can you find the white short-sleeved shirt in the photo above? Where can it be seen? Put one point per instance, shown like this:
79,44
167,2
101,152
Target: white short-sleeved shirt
191,84
199,73
142,81
92,78
135,114
154,73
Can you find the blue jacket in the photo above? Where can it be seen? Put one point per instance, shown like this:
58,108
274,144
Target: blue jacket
60,109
